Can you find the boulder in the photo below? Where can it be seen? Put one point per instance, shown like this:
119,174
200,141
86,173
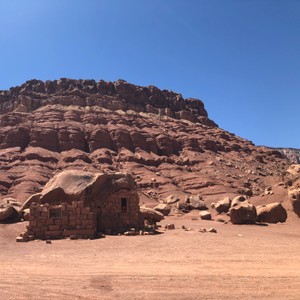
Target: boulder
205,215
73,185
195,202
294,197
165,209
243,212
223,206
271,213
151,215
183,207
173,198
9,210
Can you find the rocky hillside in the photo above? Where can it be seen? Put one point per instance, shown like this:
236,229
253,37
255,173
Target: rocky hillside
293,155
167,142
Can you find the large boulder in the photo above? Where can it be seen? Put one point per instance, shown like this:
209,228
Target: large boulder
294,196
271,213
195,202
151,215
165,209
9,210
223,206
72,185
205,215
243,212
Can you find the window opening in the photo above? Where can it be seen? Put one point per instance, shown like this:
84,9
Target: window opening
55,212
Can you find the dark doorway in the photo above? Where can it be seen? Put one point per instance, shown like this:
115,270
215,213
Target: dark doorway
124,205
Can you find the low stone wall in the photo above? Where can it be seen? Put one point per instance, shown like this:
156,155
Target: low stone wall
61,221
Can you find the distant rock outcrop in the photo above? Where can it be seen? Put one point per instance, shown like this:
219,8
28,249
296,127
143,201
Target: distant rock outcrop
292,154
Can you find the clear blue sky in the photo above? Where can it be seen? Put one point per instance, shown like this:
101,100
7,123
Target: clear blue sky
241,57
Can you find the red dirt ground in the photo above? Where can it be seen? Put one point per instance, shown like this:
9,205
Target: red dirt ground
237,262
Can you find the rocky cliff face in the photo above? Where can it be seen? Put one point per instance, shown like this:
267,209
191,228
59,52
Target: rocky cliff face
293,155
168,143
119,95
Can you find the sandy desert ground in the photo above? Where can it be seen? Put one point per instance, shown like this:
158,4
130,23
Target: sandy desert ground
237,262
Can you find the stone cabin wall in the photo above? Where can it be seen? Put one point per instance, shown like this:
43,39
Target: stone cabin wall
60,221
113,217
112,213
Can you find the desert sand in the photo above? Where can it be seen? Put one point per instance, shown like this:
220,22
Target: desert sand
237,262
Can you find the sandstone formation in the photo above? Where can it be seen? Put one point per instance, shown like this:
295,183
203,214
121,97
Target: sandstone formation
167,142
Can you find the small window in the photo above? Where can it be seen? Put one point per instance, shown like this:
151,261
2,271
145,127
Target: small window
124,204
55,212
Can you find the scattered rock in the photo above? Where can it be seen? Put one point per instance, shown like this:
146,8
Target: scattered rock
183,207
213,230
195,202
151,215
223,205
271,213
170,226
9,210
165,209
173,198
19,239
205,215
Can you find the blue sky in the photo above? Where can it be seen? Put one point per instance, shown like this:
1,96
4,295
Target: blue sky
241,57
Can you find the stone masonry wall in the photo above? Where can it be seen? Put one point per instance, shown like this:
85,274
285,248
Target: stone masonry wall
112,218
71,220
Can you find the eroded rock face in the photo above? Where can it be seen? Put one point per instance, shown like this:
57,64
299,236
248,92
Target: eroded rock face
118,95
271,213
103,126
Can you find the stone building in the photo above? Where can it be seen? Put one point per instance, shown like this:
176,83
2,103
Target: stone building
82,204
